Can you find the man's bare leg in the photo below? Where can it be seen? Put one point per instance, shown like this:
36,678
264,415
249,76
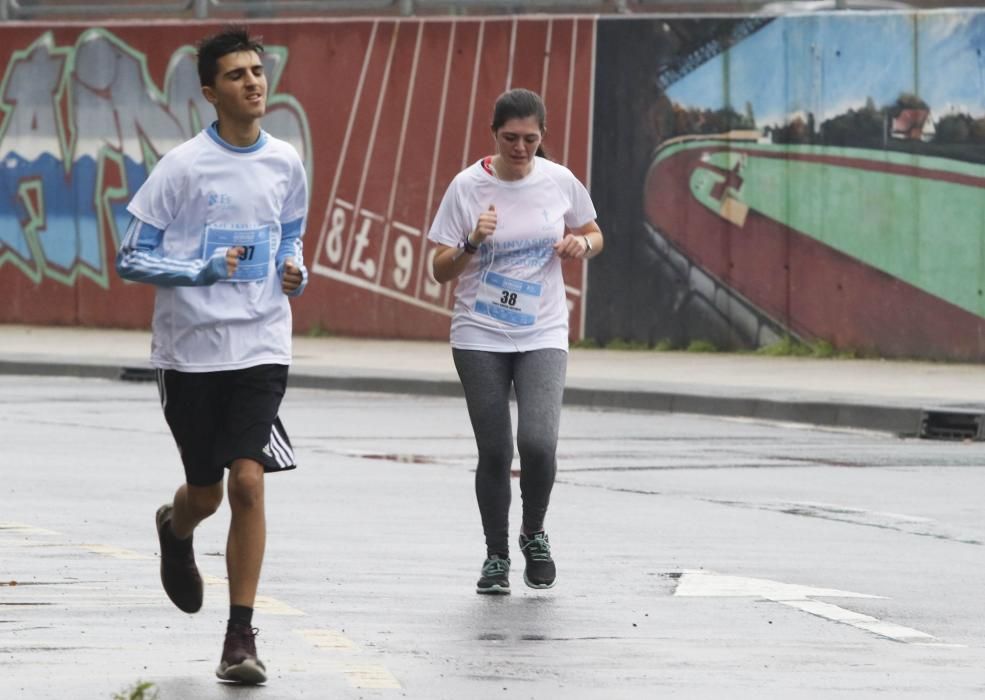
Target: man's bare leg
244,556
192,505
247,531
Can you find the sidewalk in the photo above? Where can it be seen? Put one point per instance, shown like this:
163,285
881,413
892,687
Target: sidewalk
869,394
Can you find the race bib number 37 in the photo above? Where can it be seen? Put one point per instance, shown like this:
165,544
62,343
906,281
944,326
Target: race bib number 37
254,259
508,300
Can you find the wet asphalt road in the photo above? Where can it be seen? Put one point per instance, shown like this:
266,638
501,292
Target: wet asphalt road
697,558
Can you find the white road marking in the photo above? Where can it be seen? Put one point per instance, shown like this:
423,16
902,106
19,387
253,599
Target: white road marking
711,584
864,622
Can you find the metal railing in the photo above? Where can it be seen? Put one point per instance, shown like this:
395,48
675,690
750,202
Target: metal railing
202,9
34,9
40,9
17,9
270,8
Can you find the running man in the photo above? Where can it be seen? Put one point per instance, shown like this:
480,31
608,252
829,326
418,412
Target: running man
217,229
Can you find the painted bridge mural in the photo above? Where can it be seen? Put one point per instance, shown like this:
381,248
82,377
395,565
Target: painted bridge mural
820,176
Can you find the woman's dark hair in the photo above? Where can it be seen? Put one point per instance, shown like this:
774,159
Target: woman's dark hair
211,49
520,103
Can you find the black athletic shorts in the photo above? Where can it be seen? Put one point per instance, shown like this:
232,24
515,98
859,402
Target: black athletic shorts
217,417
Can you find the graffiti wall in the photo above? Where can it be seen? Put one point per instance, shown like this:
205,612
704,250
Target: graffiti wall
820,176
384,113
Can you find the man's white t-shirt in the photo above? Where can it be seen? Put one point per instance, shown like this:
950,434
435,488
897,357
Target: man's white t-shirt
207,196
511,297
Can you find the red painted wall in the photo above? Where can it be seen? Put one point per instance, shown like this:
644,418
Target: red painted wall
388,110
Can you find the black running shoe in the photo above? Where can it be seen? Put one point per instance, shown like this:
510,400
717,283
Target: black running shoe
495,576
179,575
239,662
540,571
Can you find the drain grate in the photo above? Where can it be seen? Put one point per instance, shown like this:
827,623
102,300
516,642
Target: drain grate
952,425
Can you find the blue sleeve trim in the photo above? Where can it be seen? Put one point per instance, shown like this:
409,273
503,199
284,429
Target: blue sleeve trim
292,229
291,247
139,260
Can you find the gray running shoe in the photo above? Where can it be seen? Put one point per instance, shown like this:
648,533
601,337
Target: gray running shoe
495,576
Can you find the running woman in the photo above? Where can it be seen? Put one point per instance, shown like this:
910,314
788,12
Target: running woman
502,229
217,229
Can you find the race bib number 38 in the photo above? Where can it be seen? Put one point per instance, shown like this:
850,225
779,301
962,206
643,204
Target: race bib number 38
508,300
254,260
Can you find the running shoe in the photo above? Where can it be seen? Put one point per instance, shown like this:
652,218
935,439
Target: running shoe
179,575
540,571
495,576
239,662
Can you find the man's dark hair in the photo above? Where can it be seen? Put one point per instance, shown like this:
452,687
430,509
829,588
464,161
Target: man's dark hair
211,49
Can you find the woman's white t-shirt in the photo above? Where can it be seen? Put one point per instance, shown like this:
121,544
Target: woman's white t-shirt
206,195
511,297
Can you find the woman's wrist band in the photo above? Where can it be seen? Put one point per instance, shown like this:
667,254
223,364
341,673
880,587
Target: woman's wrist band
468,247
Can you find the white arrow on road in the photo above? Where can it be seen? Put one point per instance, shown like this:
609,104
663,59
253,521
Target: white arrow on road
712,585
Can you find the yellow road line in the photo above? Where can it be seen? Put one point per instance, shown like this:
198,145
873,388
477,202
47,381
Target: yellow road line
327,639
115,552
370,676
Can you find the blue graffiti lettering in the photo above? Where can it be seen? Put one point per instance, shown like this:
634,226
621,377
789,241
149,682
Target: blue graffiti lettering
80,129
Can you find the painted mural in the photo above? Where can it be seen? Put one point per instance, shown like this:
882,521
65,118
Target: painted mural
384,113
83,126
815,176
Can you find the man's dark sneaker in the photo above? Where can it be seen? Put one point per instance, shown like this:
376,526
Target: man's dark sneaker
239,662
180,576
495,576
540,571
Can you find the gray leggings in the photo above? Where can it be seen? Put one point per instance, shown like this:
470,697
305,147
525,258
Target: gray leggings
537,377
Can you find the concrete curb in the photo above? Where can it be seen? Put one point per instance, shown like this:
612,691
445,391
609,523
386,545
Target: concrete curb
899,419
60,369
